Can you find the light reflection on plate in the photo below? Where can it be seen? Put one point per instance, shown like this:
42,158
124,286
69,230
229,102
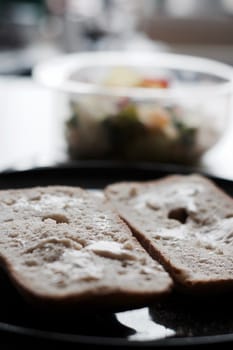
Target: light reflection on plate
141,322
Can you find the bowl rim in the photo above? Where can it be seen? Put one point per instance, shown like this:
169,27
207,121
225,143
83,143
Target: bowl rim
56,73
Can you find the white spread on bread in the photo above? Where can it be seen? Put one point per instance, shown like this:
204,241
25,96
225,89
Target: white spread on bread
111,249
182,196
48,200
179,232
78,265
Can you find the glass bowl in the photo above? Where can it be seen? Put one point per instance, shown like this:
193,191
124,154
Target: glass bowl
140,106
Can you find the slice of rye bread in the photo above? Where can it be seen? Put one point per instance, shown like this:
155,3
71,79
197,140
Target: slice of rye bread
64,246
186,223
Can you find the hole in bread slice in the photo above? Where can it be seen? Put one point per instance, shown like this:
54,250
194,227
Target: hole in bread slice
179,214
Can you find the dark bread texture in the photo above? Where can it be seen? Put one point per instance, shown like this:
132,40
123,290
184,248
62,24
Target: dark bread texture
64,246
186,223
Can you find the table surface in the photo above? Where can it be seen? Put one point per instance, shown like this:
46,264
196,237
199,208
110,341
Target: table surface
31,132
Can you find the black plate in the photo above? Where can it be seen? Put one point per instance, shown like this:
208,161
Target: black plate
197,322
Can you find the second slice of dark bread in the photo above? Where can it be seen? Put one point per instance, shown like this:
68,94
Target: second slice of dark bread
186,222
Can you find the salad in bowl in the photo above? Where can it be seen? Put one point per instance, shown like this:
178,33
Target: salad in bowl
152,107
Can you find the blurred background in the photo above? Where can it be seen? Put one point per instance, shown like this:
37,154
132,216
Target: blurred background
32,31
